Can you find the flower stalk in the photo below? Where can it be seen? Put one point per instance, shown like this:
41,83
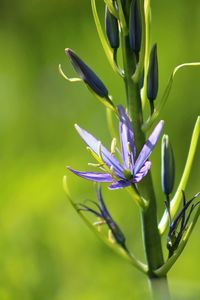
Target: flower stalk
151,237
125,164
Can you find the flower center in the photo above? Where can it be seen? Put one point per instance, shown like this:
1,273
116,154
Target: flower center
127,174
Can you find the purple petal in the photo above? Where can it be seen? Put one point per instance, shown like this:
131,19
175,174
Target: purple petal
94,176
142,172
126,139
93,144
148,147
119,184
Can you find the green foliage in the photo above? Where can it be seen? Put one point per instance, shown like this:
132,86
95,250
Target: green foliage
46,253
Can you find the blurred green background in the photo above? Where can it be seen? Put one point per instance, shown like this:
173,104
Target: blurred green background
46,252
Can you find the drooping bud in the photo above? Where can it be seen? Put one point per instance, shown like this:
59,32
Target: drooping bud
112,29
116,231
135,31
152,76
86,74
168,166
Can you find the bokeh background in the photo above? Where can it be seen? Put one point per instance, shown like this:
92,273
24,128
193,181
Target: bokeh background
46,252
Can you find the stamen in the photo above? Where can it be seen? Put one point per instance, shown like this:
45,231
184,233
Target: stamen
99,150
95,165
112,172
113,146
111,237
129,147
99,224
129,154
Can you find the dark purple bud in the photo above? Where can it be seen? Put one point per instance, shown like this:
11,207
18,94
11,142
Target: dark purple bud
87,75
112,29
152,76
135,31
167,166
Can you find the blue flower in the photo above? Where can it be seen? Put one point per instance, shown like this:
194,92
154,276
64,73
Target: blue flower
105,217
131,170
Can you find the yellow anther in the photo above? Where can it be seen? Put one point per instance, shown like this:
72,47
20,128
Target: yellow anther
99,223
95,165
111,237
113,146
99,150
129,148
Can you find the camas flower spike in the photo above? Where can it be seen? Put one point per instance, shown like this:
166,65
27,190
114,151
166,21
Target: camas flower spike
131,170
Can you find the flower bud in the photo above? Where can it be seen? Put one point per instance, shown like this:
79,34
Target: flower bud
152,76
168,166
135,32
112,29
116,231
87,75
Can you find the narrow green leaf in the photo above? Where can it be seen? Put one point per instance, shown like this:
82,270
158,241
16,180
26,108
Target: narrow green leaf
163,100
107,49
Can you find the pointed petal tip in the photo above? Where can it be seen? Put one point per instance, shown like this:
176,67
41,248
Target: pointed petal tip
159,126
67,50
76,126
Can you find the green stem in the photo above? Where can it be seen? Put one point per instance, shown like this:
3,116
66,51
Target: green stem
151,237
159,288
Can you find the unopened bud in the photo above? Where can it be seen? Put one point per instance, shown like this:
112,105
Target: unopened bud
87,75
152,77
112,29
168,166
135,32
